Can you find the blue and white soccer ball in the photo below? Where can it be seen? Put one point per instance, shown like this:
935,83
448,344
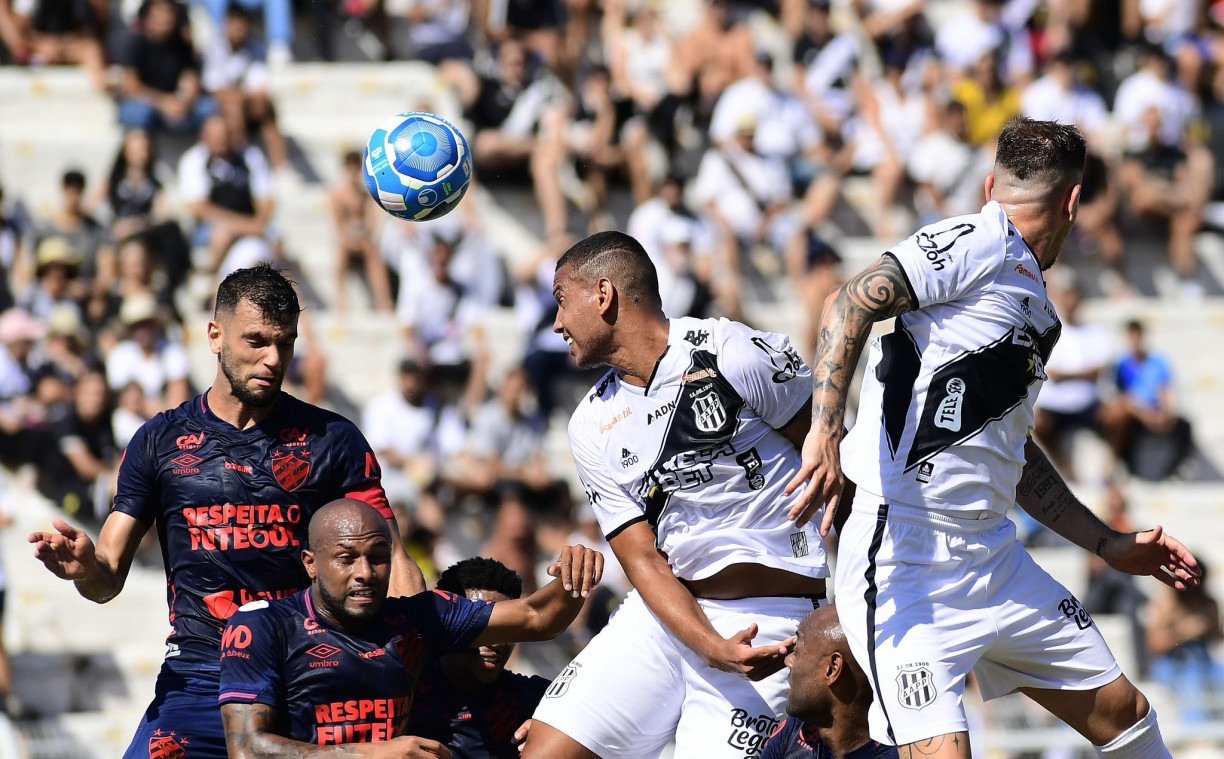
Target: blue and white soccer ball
417,166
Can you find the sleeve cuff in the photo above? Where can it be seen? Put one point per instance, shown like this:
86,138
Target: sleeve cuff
626,525
909,286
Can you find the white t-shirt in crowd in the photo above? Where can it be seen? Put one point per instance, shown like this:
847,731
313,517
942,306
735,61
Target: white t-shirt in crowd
1082,348
1143,90
1047,100
127,363
391,423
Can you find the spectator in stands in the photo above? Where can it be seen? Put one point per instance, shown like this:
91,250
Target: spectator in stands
403,426
1060,95
57,285
985,28
1146,408
12,271
718,51
469,701
687,277
237,76
46,32
518,116
20,413
504,463
67,351
946,169
536,24
1152,86
148,356
1170,182
1183,628
605,142
83,232
136,276
77,466
990,102
161,75
824,70
642,62
229,191
443,326
6,667
1070,400
438,30
355,221
546,355
278,23
812,266
132,192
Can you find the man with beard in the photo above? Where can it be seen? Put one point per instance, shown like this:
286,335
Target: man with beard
231,479
335,665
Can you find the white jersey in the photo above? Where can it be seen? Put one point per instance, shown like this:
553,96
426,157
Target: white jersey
697,452
948,396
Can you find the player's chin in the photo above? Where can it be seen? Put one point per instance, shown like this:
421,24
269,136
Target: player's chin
361,605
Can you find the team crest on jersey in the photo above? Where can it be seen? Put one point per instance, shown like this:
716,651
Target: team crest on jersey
291,468
167,746
562,683
916,687
709,412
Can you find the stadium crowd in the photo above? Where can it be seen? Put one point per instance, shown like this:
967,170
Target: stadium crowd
740,142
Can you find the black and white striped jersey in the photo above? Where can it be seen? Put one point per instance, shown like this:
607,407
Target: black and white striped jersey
947,398
697,452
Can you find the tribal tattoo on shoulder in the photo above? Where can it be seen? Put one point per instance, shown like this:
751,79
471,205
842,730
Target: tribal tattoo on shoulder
879,292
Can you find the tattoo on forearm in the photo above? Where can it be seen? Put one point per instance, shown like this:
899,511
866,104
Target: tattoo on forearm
877,293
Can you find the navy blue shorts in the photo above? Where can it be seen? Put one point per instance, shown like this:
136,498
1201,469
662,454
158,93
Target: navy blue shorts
184,720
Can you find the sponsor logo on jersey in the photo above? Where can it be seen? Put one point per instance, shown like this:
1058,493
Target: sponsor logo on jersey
935,245
234,640
173,650
363,720
234,466
1071,609
164,745
660,412
325,653
749,732
190,442
628,458
377,653
293,437
602,387
187,463
593,496
624,414
916,686
948,416
1025,307
701,374
799,544
708,412
562,683
925,469
291,468
696,337
228,527
750,460
785,360
1022,271
224,603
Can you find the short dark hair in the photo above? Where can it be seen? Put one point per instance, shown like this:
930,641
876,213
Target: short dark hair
1044,151
479,573
1134,325
265,287
73,178
351,157
619,258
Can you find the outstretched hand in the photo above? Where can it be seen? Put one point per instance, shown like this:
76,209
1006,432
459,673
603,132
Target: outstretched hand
67,553
821,470
1154,553
739,656
580,569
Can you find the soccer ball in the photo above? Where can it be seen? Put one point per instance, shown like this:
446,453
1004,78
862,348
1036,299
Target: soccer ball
417,166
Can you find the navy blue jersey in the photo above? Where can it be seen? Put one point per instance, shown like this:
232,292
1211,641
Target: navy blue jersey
479,726
232,506
331,686
793,741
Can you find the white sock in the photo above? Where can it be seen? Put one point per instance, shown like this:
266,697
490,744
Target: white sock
1141,740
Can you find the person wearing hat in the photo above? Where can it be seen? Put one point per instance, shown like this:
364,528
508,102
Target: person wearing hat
66,350
58,264
147,356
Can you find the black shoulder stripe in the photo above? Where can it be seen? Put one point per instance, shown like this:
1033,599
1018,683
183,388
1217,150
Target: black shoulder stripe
612,535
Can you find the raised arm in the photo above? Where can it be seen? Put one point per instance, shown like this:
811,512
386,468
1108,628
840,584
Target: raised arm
676,607
1044,494
879,292
248,735
98,572
546,613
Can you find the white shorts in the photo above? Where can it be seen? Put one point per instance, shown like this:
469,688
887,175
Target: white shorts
925,597
635,687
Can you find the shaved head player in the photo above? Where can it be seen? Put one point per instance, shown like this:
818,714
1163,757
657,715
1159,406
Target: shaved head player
230,479
683,447
931,581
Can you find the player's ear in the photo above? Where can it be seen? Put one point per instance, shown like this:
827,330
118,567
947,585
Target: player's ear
215,337
308,561
835,667
604,294
990,183
1072,201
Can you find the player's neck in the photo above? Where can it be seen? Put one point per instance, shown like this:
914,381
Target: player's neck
636,357
1034,225
227,408
846,732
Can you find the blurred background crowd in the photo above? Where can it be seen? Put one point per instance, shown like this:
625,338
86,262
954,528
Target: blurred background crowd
760,150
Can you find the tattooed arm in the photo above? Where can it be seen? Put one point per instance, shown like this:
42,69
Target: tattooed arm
248,735
877,293
1044,494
